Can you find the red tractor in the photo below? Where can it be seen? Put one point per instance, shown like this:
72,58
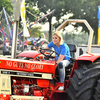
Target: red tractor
33,75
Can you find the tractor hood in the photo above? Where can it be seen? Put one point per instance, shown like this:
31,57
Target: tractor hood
30,54
28,66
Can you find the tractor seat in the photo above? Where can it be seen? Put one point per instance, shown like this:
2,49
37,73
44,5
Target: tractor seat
68,68
72,49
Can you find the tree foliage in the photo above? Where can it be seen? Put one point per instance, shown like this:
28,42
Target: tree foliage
9,9
78,39
35,32
82,9
46,6
31,12
85,9
8,6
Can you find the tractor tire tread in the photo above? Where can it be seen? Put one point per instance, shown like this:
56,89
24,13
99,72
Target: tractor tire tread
83,82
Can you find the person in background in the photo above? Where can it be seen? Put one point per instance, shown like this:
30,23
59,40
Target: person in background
64,55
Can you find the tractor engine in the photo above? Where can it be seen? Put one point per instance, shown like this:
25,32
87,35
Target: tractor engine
25,86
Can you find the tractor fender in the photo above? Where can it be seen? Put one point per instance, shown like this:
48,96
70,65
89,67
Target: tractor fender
85,57
88,57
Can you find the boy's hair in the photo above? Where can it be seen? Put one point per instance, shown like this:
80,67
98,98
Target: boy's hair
59,35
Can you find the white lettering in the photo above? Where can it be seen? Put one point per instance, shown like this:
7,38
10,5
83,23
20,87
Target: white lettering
14,64
32,66
36,66
9,63
24,65
28,66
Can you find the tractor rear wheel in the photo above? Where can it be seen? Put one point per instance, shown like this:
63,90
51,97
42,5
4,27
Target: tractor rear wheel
83,82
97,91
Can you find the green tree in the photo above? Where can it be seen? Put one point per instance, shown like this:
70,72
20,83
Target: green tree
9,9
82,9
46,6
35,32
31,12
8,6
85,9
78,39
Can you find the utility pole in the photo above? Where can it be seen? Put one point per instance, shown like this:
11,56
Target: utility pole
16,11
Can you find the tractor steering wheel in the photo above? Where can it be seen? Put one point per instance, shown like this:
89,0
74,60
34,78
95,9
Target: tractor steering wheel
49,54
